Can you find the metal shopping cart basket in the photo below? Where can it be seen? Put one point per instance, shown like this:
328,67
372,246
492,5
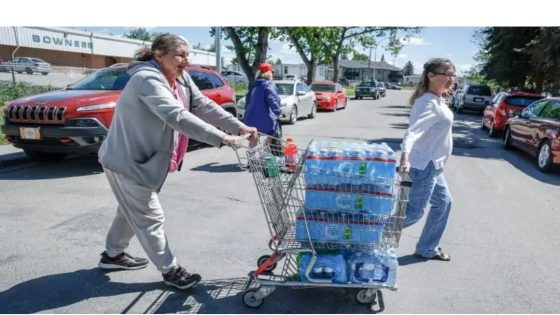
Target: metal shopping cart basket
302,230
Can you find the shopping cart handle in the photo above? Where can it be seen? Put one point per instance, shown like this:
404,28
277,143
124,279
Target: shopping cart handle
406,180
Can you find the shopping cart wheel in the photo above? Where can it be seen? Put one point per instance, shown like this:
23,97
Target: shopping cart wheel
365,296
264,258
250,300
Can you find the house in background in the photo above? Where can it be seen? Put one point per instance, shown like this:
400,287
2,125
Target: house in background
358,70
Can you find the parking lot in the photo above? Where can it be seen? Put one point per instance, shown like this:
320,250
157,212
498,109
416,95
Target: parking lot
502,234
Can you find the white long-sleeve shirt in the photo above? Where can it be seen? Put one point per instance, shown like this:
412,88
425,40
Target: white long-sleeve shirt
429,137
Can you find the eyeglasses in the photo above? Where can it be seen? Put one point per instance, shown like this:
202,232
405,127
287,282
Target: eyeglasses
449,76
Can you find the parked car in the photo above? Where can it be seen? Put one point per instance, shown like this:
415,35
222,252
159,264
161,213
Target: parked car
382,89
475,97
457,94
296,100
3,63
367,89
502,108
75,120
536,130
343,82
235,77
395,86
329,95
28,65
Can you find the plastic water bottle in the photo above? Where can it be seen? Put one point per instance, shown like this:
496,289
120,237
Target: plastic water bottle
290,154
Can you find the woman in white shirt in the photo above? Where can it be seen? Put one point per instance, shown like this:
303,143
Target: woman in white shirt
426,147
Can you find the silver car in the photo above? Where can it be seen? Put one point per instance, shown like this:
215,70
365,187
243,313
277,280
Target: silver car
296,100
235,77
475,97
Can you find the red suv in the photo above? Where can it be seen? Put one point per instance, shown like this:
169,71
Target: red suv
503,107
75,120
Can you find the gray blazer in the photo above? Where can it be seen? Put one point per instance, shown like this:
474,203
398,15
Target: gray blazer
140,140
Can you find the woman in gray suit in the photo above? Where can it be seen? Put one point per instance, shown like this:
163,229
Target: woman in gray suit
158,110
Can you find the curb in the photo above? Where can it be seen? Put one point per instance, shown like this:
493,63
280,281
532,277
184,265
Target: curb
13,159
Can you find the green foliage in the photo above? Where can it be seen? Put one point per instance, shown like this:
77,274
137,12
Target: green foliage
140,34
522,57
9,91
408,68
358,57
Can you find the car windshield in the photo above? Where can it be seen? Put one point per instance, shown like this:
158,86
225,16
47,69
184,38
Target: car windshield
521,101
322,88
367,83
106,79
285,88
480,90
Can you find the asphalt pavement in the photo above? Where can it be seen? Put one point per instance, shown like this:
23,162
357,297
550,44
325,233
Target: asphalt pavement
502,233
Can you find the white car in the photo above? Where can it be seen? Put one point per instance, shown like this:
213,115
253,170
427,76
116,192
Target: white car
296,100
235,77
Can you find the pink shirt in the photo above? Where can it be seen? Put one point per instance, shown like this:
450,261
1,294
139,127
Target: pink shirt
181,141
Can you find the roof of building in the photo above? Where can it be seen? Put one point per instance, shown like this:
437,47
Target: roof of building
364,64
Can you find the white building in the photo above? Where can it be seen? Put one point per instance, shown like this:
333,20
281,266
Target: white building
299,71
67,47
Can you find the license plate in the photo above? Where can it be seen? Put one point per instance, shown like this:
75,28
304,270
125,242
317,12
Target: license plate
478,99
30,133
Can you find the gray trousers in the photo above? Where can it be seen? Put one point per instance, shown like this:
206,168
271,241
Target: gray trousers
139,213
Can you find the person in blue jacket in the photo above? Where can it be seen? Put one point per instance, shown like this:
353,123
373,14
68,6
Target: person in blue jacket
262,107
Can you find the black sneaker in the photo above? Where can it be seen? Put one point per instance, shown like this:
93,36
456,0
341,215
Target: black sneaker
180,278
122,261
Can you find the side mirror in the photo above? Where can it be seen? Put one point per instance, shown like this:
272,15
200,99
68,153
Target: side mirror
300,93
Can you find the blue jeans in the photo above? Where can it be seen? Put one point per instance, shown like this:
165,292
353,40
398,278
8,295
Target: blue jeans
428,185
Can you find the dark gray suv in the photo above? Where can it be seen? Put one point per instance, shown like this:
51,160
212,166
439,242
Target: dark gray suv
367,89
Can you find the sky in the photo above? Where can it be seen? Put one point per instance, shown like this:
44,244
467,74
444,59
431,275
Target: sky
455,43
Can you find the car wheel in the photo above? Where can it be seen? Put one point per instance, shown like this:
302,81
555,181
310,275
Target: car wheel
493,133
507,140
544,159
313,111
293,115
335,106
43,156
345,103
28,71
44,73
460,109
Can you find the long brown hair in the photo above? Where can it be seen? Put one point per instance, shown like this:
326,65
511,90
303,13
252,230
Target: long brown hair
163,43
433,65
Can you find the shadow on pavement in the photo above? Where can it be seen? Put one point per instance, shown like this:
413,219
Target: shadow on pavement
410,259
214,296
225,296
59,290
214,167
69,167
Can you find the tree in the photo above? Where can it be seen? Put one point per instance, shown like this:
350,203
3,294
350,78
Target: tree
140,34
408,68
360,57
343,40
278,61
309,44
250,45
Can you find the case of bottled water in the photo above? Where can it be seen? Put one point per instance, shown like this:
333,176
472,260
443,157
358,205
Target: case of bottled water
338,228
378,267
327,267
348,202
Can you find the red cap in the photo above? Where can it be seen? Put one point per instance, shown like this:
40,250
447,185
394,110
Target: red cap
265,67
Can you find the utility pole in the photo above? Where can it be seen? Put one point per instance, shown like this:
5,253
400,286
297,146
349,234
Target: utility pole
218,49
369,61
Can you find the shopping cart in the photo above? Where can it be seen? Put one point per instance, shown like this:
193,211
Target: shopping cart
282,192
